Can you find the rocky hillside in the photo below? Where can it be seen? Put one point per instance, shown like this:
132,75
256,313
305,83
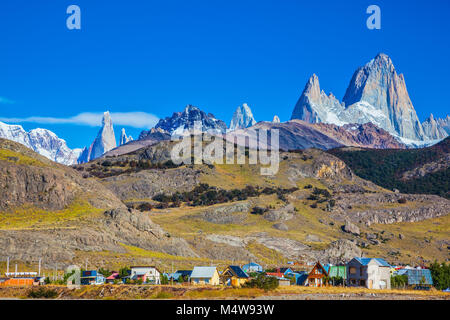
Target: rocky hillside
50,211
314,208
424,170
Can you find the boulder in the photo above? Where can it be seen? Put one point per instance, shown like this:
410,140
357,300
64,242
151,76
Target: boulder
352,228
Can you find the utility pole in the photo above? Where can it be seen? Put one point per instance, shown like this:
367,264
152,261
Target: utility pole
39,272
7,265
172,273
15,272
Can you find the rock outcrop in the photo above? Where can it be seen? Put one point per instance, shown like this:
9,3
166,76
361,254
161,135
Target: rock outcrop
433,129
124,139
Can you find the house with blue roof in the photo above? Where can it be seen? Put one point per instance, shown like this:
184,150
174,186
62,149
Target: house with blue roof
234,276
372,273
252,267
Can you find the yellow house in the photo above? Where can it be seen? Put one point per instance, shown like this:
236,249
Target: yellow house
234,276
205,276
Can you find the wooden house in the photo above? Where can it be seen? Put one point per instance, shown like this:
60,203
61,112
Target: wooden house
316,276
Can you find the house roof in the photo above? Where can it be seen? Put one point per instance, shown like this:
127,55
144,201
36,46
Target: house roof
366,261
185,272
336,271
251,264
238,272
113,276
283,270
203,272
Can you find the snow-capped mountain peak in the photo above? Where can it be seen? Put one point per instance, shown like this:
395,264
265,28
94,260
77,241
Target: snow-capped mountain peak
242,118
42,141
376,94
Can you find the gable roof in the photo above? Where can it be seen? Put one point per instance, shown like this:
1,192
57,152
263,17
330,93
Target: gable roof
238,272
203,272
366,261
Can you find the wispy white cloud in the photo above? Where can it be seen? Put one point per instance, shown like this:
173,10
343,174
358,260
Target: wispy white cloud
4,100
132,119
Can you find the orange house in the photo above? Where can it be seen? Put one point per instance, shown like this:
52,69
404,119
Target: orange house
6,282
315,277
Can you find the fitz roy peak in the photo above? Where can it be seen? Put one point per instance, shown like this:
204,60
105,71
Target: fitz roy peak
104,142
376,94
42,141
242,118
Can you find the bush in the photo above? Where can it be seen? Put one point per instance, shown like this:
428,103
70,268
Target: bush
441,275
399,281
259,210
262,281
145,207
42,292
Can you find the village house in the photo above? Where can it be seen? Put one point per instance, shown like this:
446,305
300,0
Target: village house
148,274
114,277
185,274
92,277
234,276
372,273
252,267
205,275
316,276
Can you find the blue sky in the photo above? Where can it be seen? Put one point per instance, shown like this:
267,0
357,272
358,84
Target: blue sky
157,56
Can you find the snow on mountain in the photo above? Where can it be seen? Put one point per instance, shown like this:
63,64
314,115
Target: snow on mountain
124,138
376,94
42,141
180,122
104,142
242,118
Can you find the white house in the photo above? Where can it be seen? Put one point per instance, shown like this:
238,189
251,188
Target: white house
148,274
372,273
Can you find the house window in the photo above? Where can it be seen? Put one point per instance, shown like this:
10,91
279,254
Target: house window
352,270
362,283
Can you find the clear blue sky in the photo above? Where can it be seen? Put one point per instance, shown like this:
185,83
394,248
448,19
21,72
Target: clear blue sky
158,56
